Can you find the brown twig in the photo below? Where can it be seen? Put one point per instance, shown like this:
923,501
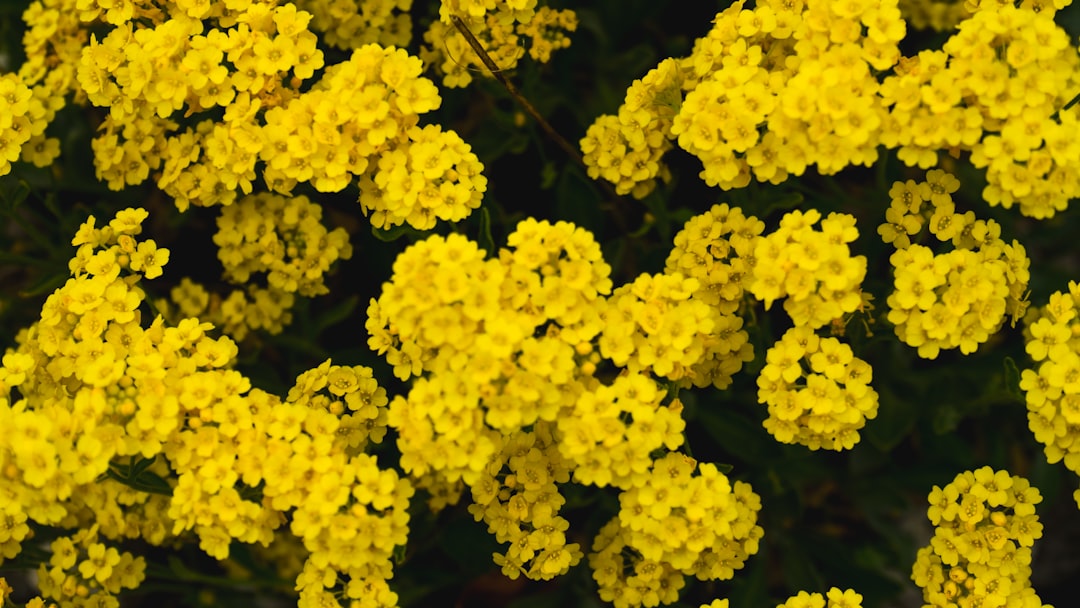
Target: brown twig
489,63
567,147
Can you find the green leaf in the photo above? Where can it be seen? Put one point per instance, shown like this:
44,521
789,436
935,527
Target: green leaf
485,239
393,233
786,202
46,284
141,465
337,314
151,483
548,175
946,419
895,419
1012,378
13,197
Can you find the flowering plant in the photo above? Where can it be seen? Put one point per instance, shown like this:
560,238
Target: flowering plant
526,303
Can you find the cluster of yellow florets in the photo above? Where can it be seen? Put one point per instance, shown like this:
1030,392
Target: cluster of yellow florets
813,269
22,124
500,343
282,237
672,524
980,555
997,88
940,15
243,68
768,91
517,497
133,431
83,571
774,89
654,324
717,249
430,175
350,24
625,149
1052,389
507,398
958,298
610,432
242,311
504,28
507,333
817,391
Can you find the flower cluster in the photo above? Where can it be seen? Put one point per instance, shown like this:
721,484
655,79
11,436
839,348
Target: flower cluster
1052,388
507,334
672,524
980,555
611,431
281,237
817,391
625,149
517,497
504,28
507,396
240,312
833,598
133,431
350,24
654,324
242,72
774,89
27,112
957,298
716,248
429,175
813,269
768,91
81,569
939,15
996,88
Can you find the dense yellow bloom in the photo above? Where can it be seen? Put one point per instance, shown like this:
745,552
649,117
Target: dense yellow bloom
1052,388
517,497
766,93
958,298
133,431
240,69
625,149
472,324
821,408
984,527
834,598
812,268
22,124
281,237
611,432
999,96
504,29
350,24
672,524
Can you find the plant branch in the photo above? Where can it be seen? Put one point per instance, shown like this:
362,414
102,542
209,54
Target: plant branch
489,63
